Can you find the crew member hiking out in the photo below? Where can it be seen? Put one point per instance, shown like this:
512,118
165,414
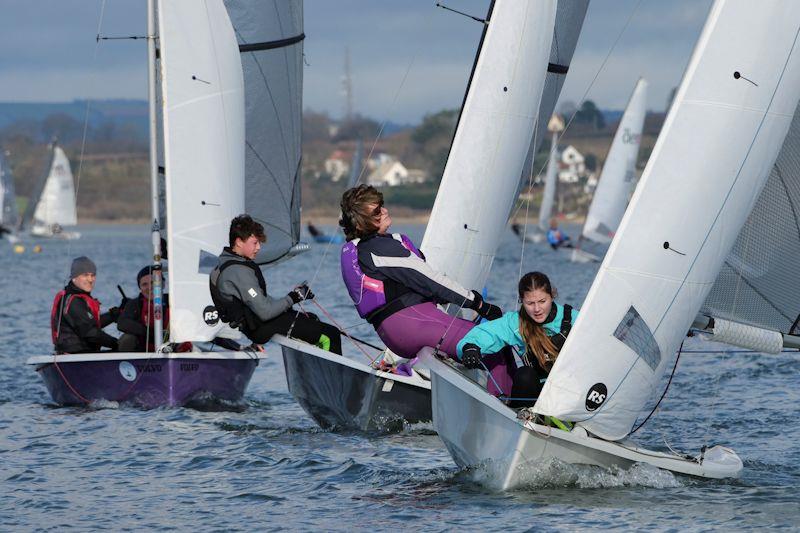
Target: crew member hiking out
240,294
76,323
393,287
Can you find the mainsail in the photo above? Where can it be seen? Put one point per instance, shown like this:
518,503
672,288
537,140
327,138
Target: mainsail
203,121
758,283
8,200
56,204
718,144
270,37
550,177
492,138
619,171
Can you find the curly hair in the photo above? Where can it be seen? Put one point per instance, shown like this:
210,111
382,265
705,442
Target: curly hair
242,227
357,220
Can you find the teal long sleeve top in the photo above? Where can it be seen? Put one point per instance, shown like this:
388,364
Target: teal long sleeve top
494,335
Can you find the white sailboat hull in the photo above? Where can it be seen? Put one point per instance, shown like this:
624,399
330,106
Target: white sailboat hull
479,430
340,393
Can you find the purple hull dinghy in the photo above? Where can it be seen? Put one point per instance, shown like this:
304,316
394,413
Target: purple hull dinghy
146,380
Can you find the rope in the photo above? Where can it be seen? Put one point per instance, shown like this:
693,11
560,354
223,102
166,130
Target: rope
328,315
677,358
569,123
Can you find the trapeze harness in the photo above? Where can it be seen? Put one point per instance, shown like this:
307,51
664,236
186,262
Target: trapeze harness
56,318
231,309
369,294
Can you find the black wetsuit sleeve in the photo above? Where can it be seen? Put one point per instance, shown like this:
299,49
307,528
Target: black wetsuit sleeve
130,319
82,321
393,260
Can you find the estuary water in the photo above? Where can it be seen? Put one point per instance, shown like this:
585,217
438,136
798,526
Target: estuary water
265,465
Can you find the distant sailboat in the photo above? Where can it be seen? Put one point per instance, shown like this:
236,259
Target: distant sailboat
52,207
8,202
718,147
461,237
201,92
617,178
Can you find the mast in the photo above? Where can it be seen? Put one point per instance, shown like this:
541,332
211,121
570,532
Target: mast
156,279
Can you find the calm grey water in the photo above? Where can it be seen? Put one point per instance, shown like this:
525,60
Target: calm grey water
268,466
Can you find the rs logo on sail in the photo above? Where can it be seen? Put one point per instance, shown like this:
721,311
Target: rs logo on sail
596,396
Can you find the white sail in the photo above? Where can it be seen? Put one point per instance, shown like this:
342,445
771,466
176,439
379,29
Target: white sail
619,171
203,97
57,203
716,149
550,184
492,139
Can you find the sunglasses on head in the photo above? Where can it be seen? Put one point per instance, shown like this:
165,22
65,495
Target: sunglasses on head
377,211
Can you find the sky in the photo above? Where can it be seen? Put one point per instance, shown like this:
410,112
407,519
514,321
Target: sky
407,58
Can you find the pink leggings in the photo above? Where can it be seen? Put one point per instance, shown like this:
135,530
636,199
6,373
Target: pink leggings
407,331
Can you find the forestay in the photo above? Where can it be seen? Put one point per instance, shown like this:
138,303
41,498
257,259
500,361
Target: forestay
57,203
619,171
720,139
758,283
203,95
270,36
492,139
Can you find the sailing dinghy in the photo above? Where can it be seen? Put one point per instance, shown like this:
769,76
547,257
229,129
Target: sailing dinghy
501,110
717,149
616,179
53,203
202,114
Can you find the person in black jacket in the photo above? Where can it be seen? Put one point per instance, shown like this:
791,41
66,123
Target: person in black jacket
75,320
240,294
136,320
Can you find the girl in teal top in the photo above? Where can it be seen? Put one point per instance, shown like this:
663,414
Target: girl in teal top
537,331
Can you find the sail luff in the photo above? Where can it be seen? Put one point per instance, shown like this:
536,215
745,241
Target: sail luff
203,124
491,141
730,116
619,171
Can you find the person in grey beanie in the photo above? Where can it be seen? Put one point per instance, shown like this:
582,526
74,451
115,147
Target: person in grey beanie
76,323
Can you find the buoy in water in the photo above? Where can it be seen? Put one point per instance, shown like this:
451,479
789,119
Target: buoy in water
19,249
37,249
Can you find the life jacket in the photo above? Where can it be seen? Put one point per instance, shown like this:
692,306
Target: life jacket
368,294
566,327
58,311
149,320
231,309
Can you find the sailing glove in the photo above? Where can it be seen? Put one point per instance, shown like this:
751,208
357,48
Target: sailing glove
471,356
483,308
300,293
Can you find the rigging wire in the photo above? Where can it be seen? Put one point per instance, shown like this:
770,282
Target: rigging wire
569,123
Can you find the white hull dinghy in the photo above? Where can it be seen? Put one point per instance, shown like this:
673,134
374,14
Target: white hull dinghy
484,150
479,429
675,243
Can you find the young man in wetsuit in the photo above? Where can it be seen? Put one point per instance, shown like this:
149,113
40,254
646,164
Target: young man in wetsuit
75,320
240,294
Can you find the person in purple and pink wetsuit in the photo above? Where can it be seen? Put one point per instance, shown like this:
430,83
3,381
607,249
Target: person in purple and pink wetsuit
393,287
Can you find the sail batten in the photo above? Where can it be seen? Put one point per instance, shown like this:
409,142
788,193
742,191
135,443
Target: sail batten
720,139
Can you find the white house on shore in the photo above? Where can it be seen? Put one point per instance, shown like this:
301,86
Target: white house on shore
572,167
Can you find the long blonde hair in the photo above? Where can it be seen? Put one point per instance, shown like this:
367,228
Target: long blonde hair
537,342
